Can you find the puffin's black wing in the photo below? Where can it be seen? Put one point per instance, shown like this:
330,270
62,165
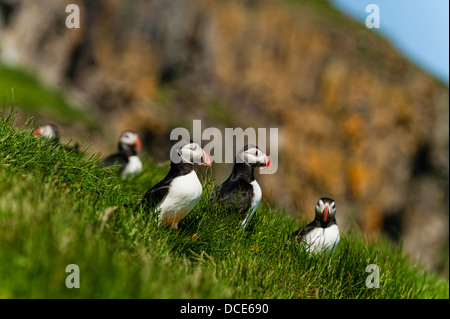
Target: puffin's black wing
119,158
301,232
157,193
234,193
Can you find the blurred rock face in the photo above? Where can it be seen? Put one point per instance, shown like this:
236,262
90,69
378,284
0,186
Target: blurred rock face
357,122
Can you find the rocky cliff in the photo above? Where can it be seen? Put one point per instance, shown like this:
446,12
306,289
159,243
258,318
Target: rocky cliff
357,121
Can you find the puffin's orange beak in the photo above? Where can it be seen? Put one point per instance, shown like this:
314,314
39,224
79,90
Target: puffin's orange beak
325,213
138,143
268,165
206,160
37,131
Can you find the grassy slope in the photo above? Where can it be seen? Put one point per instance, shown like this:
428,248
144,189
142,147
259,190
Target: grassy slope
52,213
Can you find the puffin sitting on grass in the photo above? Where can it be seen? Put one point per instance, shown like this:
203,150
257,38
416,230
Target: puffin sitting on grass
49,132
322,234
126,156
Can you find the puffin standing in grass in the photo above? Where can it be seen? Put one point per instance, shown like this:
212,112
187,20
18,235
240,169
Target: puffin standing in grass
178,193
322,234
48,131
126,156
241,188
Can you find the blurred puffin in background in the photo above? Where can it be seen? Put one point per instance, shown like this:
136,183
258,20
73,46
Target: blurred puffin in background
49,132
126,156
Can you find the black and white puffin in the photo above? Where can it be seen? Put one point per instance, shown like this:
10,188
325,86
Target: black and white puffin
178,193
48,131
51,133
241,188
126,156
322,234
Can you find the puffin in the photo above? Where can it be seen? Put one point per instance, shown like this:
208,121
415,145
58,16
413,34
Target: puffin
126,156
241,188
322,234
176,195
49,132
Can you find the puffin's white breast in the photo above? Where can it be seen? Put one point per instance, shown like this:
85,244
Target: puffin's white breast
257,195
184,193
47,132
256,200
322,239
134,166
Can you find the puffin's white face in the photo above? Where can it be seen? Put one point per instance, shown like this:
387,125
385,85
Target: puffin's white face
46,131
254,157
130,138
325,209
194,154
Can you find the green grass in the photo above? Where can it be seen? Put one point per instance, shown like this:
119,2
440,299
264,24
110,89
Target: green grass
53,206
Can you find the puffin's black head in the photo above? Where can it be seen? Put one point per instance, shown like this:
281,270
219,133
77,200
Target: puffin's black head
48,131
129,140
325,210
254,157
189,152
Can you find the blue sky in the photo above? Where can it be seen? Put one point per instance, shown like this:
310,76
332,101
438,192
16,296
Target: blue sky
417,28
